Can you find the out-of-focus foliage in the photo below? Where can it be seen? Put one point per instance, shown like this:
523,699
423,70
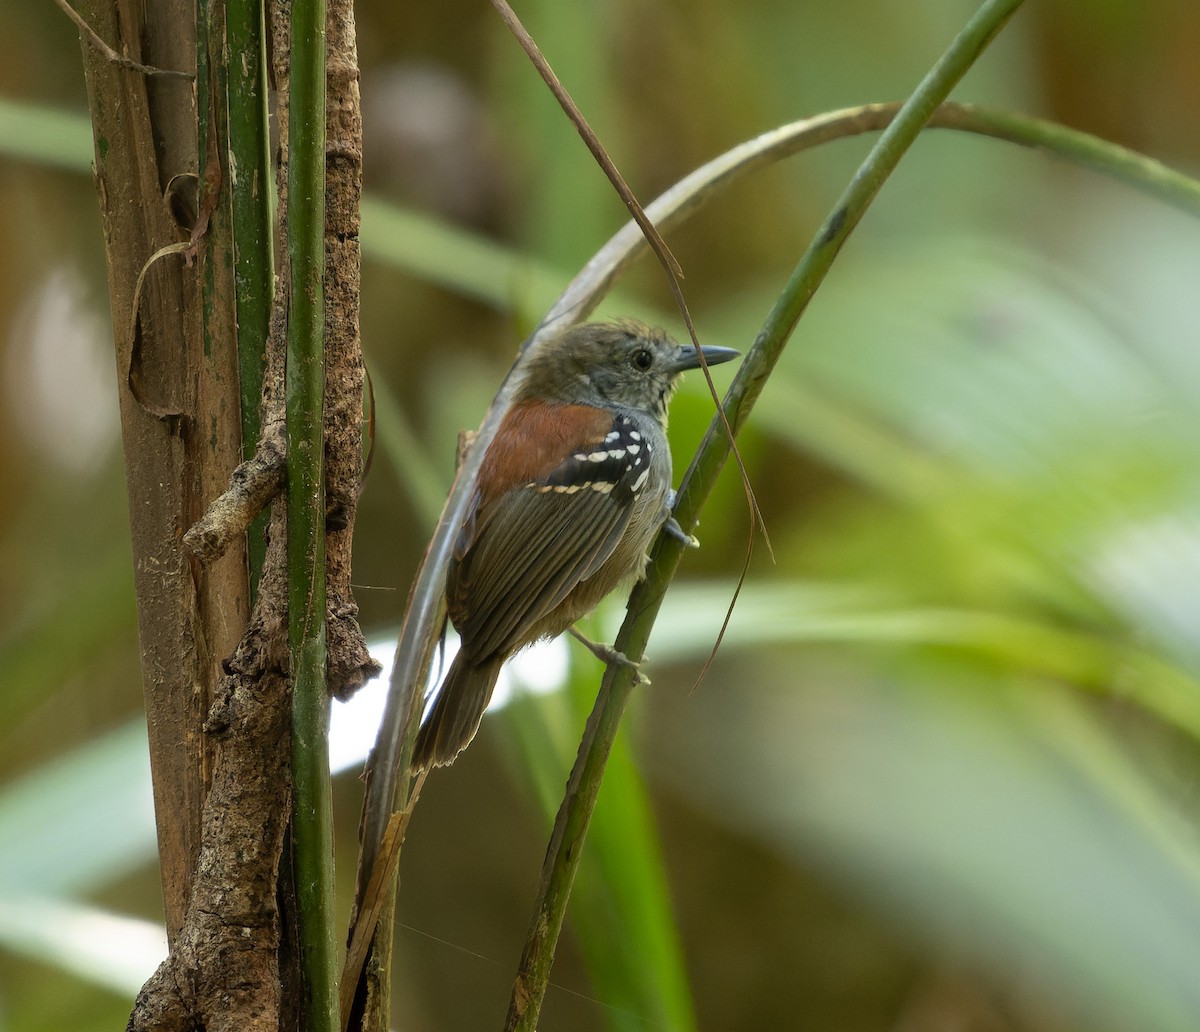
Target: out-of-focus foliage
943,772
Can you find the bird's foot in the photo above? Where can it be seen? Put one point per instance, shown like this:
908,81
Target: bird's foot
607,654
672,527
674,530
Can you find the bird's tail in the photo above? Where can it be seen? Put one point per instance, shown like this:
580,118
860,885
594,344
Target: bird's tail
455,716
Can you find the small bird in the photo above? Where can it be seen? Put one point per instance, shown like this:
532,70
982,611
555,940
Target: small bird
572,490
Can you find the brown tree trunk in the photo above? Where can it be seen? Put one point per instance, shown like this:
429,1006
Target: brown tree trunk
180,439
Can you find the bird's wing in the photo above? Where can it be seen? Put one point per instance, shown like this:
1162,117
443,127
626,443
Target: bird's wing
523,552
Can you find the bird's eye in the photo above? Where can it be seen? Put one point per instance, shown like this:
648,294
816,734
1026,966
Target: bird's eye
642,359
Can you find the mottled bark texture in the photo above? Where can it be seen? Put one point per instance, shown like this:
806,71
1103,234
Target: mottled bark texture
349,664
224,972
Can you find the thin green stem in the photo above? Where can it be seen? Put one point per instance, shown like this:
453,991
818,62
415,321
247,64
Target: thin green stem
249,160
312,822
566,843
480,268
1080,148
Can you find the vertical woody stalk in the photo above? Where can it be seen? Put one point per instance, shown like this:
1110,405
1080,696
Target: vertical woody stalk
350,666
173,394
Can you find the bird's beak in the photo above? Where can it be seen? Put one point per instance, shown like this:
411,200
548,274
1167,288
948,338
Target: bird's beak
687,358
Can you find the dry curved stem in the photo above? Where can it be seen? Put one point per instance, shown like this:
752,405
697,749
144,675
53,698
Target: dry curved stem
375,898
96,40
160,409
571,109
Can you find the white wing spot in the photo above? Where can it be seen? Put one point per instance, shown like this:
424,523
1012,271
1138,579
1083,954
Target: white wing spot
637,484
634,435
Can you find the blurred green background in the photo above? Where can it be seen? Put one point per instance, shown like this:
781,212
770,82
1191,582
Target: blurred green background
944,773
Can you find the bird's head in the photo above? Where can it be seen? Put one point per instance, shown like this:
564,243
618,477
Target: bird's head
616,365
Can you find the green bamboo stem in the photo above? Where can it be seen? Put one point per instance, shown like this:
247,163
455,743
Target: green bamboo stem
566,843
249,158
312,823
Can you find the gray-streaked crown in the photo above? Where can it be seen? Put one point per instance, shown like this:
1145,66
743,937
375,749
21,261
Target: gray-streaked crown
618,365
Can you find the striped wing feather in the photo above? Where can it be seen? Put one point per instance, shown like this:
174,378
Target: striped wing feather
529,552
